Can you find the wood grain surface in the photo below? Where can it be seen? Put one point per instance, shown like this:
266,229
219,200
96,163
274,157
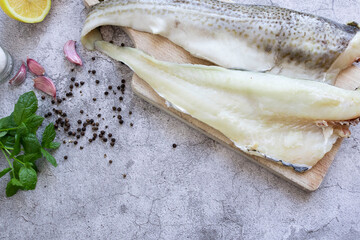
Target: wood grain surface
162,49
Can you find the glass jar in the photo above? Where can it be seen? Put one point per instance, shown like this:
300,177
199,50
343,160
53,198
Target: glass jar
6,65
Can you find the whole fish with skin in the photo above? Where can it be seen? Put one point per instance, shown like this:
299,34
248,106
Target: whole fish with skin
291,121
250,37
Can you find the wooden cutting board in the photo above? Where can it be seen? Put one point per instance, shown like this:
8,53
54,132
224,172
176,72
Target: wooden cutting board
162,49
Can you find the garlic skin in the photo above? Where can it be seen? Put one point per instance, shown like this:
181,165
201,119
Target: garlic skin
46,85
35,67
70,52
20,76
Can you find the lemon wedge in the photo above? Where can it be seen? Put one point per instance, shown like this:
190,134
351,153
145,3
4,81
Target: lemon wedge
28,11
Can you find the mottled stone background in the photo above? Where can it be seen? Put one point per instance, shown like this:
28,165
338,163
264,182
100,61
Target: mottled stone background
200,190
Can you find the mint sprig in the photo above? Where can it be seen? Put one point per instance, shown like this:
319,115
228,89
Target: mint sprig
20,146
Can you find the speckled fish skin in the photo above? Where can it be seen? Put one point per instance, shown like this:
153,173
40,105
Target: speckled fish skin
250,37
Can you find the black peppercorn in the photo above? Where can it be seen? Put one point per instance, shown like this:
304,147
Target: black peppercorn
114,108
97,81
65,157
106,93
42,97
93,72
70,133
123,81
53,101
81,111
123,44
99,115
73,79
174,145
93,58
113,140
79,121
71,86
110,135
76,84
109,87
94,99
102,132
75,143
131,124
119,109
105,139
82,83
121,98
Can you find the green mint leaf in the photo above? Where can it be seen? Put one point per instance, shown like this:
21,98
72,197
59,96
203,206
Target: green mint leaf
28,177
48,135
31,157
17,166
33,123
8,141
25,107
21,131
3,134
54,145
12,187
5,171
7,122
49,157
30,143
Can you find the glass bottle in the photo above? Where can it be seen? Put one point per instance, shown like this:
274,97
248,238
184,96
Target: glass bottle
6,65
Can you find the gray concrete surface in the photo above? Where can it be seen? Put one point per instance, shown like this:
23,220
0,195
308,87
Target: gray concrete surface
200,190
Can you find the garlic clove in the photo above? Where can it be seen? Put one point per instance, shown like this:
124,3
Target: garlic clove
71,54
46,85
35,67
20,76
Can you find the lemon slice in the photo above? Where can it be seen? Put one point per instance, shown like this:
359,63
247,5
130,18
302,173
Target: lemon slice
29,11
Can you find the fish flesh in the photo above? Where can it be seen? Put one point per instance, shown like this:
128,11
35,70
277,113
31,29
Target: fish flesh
291,121
249,37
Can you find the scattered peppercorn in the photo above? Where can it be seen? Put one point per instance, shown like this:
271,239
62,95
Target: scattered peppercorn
53,101
131,124
76,84
174,145
81,111
121,98
72,69
65,157
113,140
82,83
124,175
81,148
130,112
94,99
110,135
73,79
112,144
93,58
90,140
71,86
79,121
97,81
93,72
111,41
121,121
119,117
64,142
99,115
123,44
75,143
110,161
109,87
106,93
102,132
114,108
70,133
42,97
105,139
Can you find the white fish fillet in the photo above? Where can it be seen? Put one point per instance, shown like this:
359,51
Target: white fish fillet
295,122
249,37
